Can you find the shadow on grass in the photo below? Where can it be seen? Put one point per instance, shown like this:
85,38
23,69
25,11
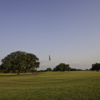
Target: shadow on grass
6,75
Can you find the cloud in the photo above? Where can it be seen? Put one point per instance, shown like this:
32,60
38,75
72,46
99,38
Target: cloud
81,62
81,65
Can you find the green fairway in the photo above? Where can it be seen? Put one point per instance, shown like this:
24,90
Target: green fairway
75,85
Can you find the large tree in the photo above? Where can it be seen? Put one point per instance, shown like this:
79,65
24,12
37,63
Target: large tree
96,67
20,61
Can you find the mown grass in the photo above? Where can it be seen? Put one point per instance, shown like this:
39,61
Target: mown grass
76,85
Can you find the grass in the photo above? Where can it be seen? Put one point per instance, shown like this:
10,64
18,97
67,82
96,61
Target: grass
75,85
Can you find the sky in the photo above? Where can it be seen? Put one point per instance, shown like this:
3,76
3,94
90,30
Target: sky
67,30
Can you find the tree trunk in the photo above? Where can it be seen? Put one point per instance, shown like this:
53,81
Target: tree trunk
18,72
25,71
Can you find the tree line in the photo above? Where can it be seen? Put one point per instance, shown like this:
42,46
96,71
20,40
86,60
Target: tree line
62,67
23,62
65,67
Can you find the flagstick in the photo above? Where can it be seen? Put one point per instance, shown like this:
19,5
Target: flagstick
48,70
48,65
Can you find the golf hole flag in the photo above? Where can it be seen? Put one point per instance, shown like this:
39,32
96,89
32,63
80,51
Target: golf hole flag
49,58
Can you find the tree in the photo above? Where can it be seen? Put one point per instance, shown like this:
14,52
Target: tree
19,61
48,69
95,67
73,69
62,67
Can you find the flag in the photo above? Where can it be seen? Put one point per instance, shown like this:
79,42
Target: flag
49,57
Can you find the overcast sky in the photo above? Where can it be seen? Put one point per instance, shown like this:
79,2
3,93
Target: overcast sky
67,30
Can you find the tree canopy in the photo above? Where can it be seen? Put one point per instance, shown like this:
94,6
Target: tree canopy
48,69
96,67
62,67
20,61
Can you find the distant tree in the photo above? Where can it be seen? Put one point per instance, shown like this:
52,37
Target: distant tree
73,69
95,67
79,69
19,61
41,70
62,67
48,69
86,69
54,69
